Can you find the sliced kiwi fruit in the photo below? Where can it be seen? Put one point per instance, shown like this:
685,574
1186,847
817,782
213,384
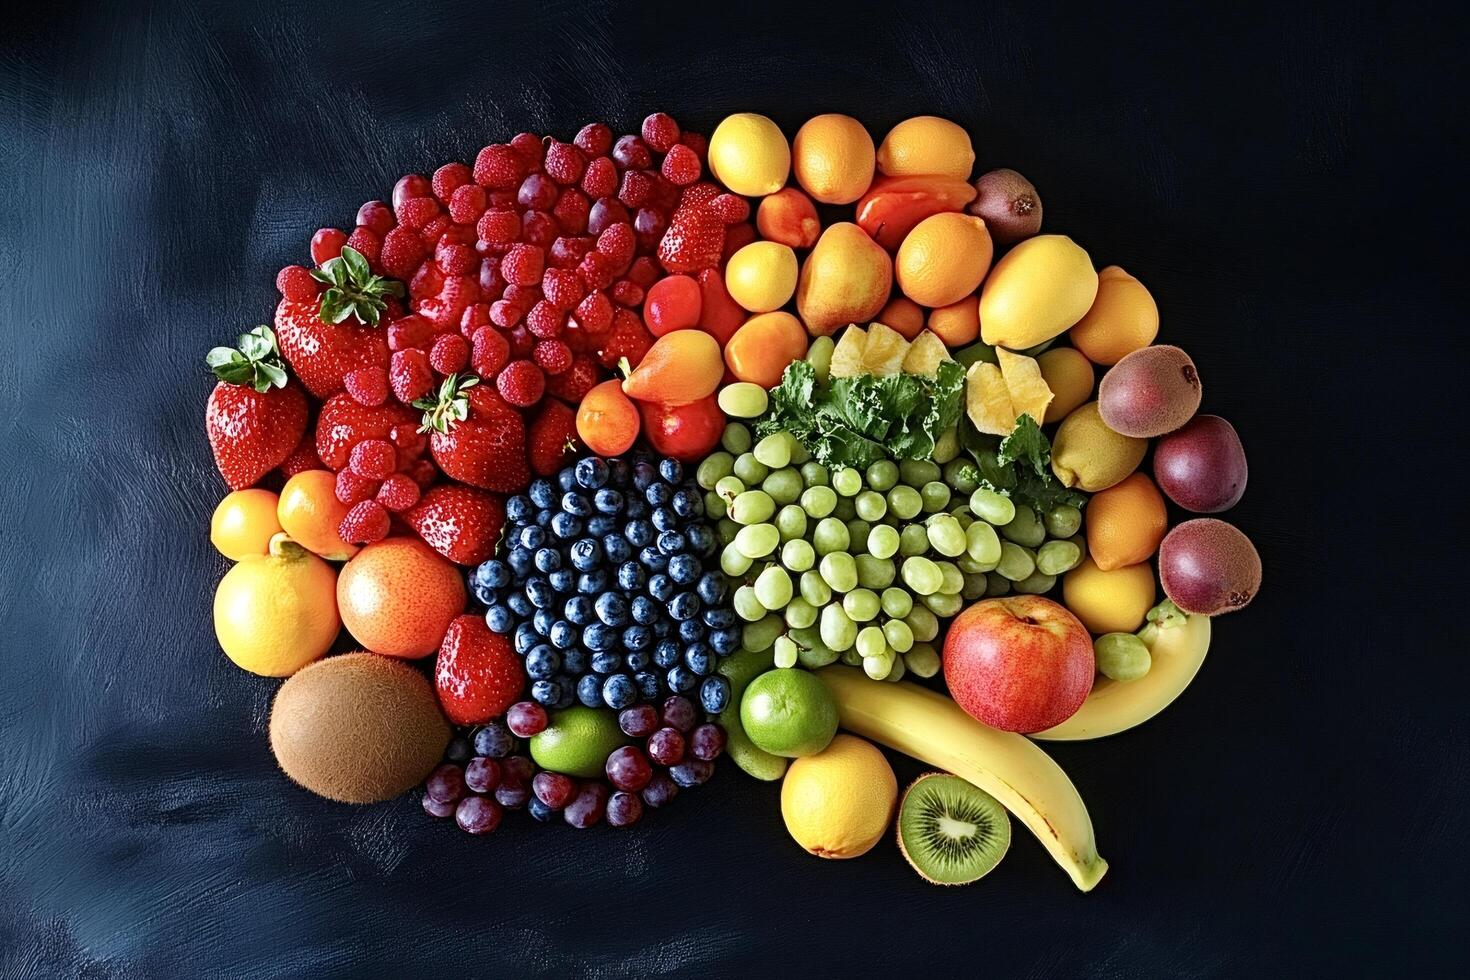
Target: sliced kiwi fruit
950,831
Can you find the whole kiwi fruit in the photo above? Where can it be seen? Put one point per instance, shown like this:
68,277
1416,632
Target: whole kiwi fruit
1009,204
1209,567
358,728
951,831
1149,392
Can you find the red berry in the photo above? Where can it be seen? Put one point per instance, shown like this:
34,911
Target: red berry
522,265
681,166
410,375
416,212
530,148
409,331
571,210
626,292
521,341
660,131
401,253
398,492
499,226
526,718
632,153
600,179
568,250
454,258
447,179
436,228
597,271
562,289
605,211
296,284
498,167
369,245
573,383
645,271
594,139
410,185
564,163
353,489
376,217
327,244
730,208
475,316
450,353
697,143
618,243
426,282
423,472
595,313
552,356
636,189
467,203
505,314
406,436
539,228
545,321
629,338
673,303
365,523
367,386
521,383
489,352
537,192
374,459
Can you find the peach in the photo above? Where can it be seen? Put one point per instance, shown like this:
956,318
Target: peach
789,217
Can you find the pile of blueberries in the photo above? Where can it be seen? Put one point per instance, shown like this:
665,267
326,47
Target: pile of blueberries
608,585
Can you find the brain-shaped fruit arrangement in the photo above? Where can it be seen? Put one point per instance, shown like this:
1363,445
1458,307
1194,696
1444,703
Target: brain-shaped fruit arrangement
611,457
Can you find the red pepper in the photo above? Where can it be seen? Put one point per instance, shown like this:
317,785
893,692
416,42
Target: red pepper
893,205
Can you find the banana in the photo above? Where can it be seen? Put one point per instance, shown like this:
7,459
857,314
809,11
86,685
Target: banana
932,728
1178,649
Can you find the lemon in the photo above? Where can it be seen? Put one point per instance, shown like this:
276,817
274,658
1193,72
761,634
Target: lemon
275,613
927,145
1039,289
748,154
243,523
839,802
1109,602
1088,455
943,259
762,276
832,155
577,741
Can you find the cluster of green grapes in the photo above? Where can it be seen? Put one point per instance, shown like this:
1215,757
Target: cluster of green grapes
862,565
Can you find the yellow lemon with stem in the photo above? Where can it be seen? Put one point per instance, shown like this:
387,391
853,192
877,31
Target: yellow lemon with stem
277,612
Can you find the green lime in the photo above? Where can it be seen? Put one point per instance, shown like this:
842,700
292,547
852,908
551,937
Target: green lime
789,712
578,741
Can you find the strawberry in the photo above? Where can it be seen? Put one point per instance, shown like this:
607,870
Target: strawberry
474,436
255,416
477,674
553,434
323,339
302,458
343,423
461,523
694,238
629,338
352,289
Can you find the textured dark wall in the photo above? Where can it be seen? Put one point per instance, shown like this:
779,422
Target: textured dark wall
1275,177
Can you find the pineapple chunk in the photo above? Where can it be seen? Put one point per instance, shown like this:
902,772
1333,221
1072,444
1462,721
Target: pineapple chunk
885,351
847,356
987,400
1029,392
925,355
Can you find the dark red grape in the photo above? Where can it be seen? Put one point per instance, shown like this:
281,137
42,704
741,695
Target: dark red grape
526,718
481,774
660,789
512,797
477,815
692,773
554,789
436,809
446,783
666,747
517,770
623,809
588,807
628,769
639,721
679,713
707,742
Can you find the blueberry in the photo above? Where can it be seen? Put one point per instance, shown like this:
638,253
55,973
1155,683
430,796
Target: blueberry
524,638
637,659
607,501
648,684
639,533
670,470
714,694
665,519
565,526
699,658
612,609
666,653
567,479
681,679
541,663
711,591
593,582
634,508
585,553
631,577
619,691
539,811
499,619
574,661
661,587
495,741
725,641
543,518
520,560
618,473
691,772
562,580
684,569
670,542
658,494
691,630
542,494
589,690
643,610
654,559
545,692
702,540
573,502
495,574
605,662
590,472
518,508
644,473
664,627
541,621
616,547
484,593
533,537
562,634
687,503
579,610
597,637
637,637
685,605
519,604
568,696
600,524
540,592
548,560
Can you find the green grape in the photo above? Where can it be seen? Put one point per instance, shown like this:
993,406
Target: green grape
857,531
747,606
961,513
750,469
844,510
944,605
783,485
898,635
861,605
917,472
882,475
729,487
935,496
1122,656
963,475
913,540
870,505
982,543
773,588
791,522
878,667
732,562
996,584
838,632
800,613
923,623
875,573
814,474
743,400
882,542
847,481
726,529
752,507
785,651
993,507
714,506
1015,561
954,579
798,555
975,585
852,658
736,438
818,501
774,450
839,571
1037,583
799,452
814,588
896,602
871,642
947,446
1026,529
830,535
969,565
1080,540
1062,521
819,356
760,634
896,670
922,660
757,540
946,536
716,467
921,575
1056,557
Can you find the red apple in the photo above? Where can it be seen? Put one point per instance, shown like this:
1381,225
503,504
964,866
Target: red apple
1019,663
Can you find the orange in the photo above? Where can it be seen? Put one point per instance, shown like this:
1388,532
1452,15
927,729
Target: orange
310,512
1125,523
1123,318
927,145
607,420
243,523
1069,376
789,217
957,324
833,158
397,597
902,315
681,367
943,259
761,349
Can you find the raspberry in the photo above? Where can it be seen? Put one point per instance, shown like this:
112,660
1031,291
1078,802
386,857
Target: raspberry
594,139
595,313
401,253
522,265
365,523
498,167
645,271
467,204
352,489
730,208
409,331
453,258
521,341
426,282
568,250
629,338
489,352
407,437
398,493
367,386
552,356
631,153
499,226
447,179
637,188
475,316
373,459
417,211
681,166
456,293
600,179
618,243
423,472
505,314
376,217
369,244
437,227
564,163
539,228
597,270
545,320
450,353
530,149
660,131
296,284
410,375
573,383
571,211
561,287
521,383
605,211
523,296
626,292
537,192
697,143
326,245
411,185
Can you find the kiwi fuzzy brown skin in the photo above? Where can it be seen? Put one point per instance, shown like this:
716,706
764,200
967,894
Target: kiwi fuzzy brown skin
979,806
1150,392
357,728
1009,204
1208,567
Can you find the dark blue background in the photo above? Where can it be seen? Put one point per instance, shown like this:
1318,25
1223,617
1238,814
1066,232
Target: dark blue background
1279,179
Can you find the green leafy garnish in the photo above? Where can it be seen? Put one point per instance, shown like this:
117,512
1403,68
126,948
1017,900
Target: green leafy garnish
352,289
449,405
1019,465
255,362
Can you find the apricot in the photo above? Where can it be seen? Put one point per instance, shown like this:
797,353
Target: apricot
902,315
607,420
1123,318
761,349
789,217
957,324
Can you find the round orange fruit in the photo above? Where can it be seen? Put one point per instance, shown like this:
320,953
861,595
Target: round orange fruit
1125,523
310,512
398,596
